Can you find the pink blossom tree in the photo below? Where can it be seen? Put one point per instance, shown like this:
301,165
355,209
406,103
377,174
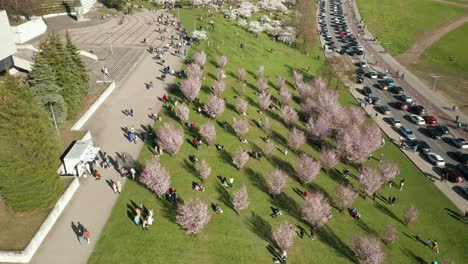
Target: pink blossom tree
155,177
218,87
369,180
345,195
356,115
410,214
200,58
297,138
169,138
222,61
309,107
270,148
329,158
317,210
203,170
220,74
240,126
319,128
260,71
289,115
182,112
240,199
285,95
214,106
319,84
304,89
368,250
284,236
194,71
193,216
262,85
356,143
388,171
307,168
264,100
242,74
243,88
190,88
208,133
298,77
390,235
240,158
281,81
241,106
277,182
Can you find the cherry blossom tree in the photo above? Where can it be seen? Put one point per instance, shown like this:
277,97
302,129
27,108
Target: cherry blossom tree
317,210
155,177
208,133
218,87
410,214
200,58
390,235
243,88
310,108
389,170
262,85
242,74
203,170
368,250
240,126
222,61
369,180
281,81
277,182
240,199
319,128
264,100
214,106
193,216
270,148
329,158
182,112
285,95
345,195
304,89
356,116
194,71
241,106
307,168
169,138
319,84
284,236
190,88
265,123
289,115
297,138
220,75
298,77
240,158
260,71
356,143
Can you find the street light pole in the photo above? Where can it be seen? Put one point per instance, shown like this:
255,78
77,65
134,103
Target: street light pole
436,78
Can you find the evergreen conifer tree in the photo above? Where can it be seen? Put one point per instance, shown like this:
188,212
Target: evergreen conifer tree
80,68
28,152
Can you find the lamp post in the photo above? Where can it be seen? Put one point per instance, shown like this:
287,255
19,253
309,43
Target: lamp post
436,78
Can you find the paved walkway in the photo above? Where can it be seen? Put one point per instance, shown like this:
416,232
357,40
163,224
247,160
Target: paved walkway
94,200
413,86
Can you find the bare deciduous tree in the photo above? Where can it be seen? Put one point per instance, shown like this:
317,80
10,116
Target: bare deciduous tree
410,214
264,100
193,216
194,71
390,235
369,180
389,170
260,71
262,85
281,81
285,95
242,74
222,61
200,58
203,170
329,158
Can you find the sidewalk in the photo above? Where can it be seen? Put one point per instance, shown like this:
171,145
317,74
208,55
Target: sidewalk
424,95
94,200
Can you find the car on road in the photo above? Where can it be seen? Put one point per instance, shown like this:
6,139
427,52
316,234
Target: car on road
459,142
442,129
372,75
435,159
366,90
407,132
406,98
387,83
430,120
434,133
394,121
359,71
463,168
382,75
453,175
397,90
423,146
460,157
418,109
384,110
361,64
417,120
402,106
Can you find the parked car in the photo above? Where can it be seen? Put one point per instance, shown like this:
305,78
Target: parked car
453,175
366,90
434,134
397,90
387,83
435,159
465,191
460,157
384,110
382,75
442,129
407,132
460,143
394,121
373,100
406,98
372,75
418,109
463,168
402,106
361,64
423,146
430,120
417,120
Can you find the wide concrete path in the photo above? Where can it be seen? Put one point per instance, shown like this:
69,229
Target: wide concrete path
94,200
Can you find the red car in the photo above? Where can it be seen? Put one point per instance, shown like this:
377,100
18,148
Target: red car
402,106
430,120
453,175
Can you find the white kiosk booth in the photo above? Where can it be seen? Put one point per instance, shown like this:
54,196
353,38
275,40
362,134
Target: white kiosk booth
77,159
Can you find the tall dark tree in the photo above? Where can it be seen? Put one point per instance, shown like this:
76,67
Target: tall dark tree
29,150
78,64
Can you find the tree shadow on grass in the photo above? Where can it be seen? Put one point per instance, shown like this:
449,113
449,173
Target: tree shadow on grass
260,227
188,166
168,209
365,227
387,211
229,129
226,157
337,176
285,166
314,188
328,236
411,254
224,196
287,204
279,138
257,180
454,214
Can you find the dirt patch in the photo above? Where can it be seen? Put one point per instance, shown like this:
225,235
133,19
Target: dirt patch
451,3
427,38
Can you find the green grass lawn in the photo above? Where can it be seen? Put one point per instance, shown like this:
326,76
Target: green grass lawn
244,238
400,21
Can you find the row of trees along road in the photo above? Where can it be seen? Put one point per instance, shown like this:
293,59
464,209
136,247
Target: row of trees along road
28,151
58,78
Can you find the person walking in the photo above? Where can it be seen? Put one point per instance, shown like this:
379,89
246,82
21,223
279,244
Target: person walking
312,233
402,183
301,232
393,200
114,186
132,172
119,187
435,246
87,235
231,182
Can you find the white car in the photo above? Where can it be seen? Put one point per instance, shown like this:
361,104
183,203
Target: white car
418,120
372,75
460,143
395,121
435,159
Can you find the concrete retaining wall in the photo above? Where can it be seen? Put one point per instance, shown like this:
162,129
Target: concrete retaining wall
25,255
84,118
29,30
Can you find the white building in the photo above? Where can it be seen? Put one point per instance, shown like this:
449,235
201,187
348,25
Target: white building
7,43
